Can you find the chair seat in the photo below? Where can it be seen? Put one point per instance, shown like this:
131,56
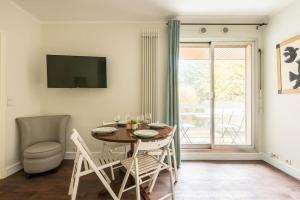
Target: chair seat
146,164
43,149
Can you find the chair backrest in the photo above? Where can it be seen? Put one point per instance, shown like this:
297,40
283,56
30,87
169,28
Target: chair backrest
157,144
42,129
83,155
81,146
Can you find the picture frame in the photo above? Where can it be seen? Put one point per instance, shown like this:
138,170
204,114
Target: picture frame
288,65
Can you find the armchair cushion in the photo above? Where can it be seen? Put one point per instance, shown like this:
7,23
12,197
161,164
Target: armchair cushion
43,150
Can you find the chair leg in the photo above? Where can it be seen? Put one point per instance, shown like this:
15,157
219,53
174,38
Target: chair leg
112,173
71,183
171,174
106,185
105,175
174,160
154,178
86,167
77,176
73,174
124,183
137,180
153,181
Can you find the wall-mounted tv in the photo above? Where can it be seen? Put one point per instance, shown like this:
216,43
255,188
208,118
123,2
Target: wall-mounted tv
76,71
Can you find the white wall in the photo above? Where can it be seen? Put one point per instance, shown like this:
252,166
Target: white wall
22,61
281,111
121,44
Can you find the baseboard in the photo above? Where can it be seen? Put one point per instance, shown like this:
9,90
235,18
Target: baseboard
10,170
281,165
70,155
196,155
2,173
14,168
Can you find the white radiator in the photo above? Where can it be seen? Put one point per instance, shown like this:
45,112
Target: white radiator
150,73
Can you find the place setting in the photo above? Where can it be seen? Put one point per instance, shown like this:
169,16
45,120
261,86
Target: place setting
139,126
104,130
129,129
150,132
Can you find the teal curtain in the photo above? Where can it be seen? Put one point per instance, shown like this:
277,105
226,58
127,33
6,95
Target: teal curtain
172,113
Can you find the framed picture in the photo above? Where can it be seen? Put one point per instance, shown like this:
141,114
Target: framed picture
288,65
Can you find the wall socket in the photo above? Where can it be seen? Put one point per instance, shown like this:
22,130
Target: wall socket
274,155
289,162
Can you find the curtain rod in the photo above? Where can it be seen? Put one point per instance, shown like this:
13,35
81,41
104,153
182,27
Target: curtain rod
231,24
225,24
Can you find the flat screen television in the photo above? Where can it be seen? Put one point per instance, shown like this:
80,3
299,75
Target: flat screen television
76,71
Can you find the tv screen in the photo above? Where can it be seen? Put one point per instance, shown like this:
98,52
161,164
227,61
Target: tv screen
76,71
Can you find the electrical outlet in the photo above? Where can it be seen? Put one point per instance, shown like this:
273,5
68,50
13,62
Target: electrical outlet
289,162
274,155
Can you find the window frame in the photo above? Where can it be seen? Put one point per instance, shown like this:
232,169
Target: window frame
254,96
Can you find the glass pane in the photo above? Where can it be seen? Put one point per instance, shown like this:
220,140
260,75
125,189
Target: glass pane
230,69
194,92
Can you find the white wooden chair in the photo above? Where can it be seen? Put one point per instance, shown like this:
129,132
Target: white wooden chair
233,127
173,160
173,155
86,163
145,168
119,150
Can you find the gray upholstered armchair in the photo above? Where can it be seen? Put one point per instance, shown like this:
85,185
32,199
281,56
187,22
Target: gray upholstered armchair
43,142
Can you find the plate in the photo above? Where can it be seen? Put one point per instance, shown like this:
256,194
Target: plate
104,130
145,133
122,122
158,125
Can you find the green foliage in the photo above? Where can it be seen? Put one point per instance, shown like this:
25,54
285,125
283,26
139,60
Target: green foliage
195,75
133,121
230,80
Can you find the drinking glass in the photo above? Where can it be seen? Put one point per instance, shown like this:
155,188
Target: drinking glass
148,117
127,117
117,118
141,118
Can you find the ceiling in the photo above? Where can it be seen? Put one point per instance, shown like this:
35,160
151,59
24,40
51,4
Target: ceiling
145,10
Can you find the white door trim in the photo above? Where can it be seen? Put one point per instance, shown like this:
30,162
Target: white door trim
2,106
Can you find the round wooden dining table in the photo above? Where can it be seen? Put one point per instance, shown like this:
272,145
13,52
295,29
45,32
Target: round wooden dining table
124,135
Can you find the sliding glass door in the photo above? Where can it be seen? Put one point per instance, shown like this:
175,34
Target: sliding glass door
215,94
194,95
